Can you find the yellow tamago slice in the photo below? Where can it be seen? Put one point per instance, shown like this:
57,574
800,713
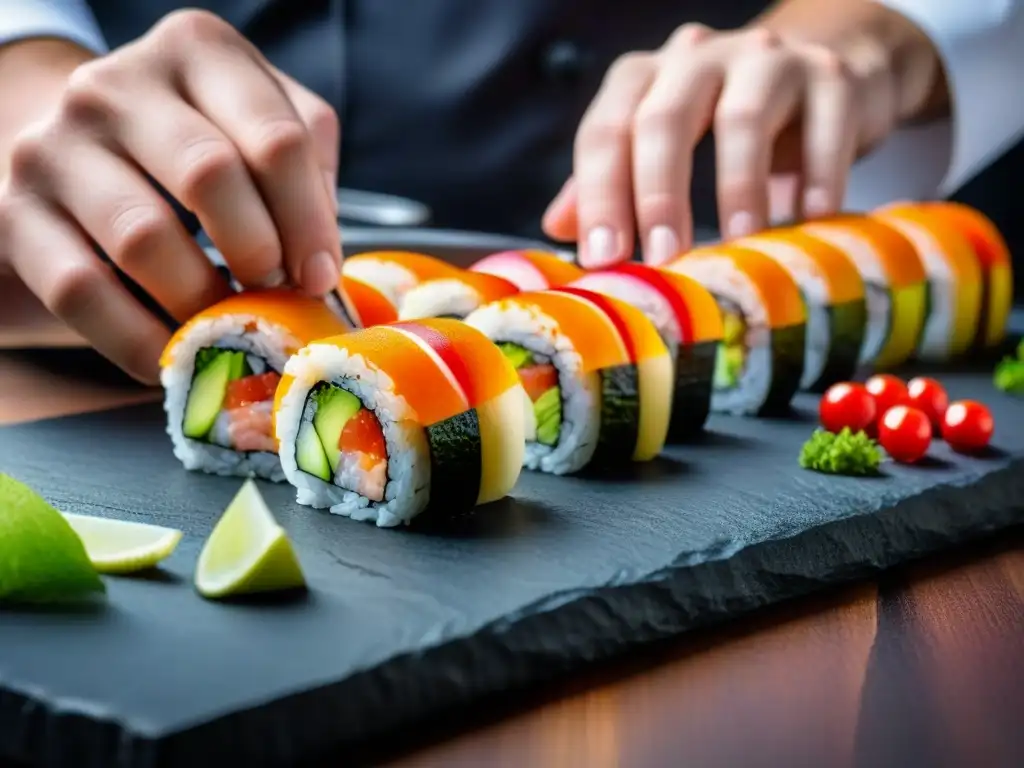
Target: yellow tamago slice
247,551
119,546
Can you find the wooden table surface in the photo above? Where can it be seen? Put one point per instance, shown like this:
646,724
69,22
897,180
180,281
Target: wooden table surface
923,668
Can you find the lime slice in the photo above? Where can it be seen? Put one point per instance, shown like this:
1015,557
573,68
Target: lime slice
118,546
247,551
42,560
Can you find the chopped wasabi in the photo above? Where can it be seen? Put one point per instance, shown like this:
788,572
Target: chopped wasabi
1009,374
843,453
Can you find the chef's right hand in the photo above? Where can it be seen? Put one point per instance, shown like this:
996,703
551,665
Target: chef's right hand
196,107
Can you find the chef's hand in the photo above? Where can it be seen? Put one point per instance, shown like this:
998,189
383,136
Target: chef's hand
194,105
776,107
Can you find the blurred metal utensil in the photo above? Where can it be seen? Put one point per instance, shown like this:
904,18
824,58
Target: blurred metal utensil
380,210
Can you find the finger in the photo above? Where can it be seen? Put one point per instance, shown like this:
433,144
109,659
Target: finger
602,160
560,221
830,132
136,228
761,93
322,123
674,115
246,103
56,263
869,63
184,152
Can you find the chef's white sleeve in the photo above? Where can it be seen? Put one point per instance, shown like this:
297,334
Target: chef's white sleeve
981,45
70,20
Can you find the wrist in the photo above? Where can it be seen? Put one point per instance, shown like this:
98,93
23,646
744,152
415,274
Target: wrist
33,74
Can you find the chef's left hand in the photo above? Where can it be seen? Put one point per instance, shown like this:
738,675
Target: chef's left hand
776,107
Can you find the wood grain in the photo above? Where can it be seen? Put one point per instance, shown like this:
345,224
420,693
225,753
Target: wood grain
924,668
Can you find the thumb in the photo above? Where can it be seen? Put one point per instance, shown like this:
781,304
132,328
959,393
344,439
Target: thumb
560,222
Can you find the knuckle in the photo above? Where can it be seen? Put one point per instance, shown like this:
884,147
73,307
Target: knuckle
29,154
661,208
827,62
762,39
659,120
207,163
323,120
745,116
689,35
190,25
278,140
630,65
137,230
73,290
604,131
90,95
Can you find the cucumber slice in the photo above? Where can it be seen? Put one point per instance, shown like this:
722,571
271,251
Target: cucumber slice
516,355
335,406
239,366
207,395
548,412
309,453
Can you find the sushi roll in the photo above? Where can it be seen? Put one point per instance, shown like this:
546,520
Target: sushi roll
455,296
394,273
833,293
596,375
761,359
687,319
993,256
954,281
529,270
220,371
401,422
895,284
370,306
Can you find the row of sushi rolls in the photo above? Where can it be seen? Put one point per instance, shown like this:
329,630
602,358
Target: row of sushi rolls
436,386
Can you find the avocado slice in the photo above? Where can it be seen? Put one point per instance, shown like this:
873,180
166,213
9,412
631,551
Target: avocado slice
334,407
518,356
548,411
239,367
733,328
310,455
728,366
206,396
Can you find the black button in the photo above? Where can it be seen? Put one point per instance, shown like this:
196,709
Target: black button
564,61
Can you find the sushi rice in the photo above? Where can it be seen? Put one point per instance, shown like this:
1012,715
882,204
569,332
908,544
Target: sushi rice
261,341
407,489
581,393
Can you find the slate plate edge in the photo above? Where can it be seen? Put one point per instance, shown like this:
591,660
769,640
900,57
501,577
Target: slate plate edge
511,653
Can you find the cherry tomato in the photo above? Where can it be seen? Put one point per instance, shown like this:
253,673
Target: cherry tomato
928,395
905,433
846,405
967,426
888,390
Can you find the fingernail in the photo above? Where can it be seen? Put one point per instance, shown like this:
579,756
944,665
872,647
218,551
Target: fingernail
602,249
274,279
332,189
816,202
740,224
662,245
320,273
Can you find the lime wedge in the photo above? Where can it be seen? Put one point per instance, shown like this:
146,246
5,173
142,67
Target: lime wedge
42,560
247,551
118,546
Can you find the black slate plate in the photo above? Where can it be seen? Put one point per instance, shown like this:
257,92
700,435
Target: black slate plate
399,625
